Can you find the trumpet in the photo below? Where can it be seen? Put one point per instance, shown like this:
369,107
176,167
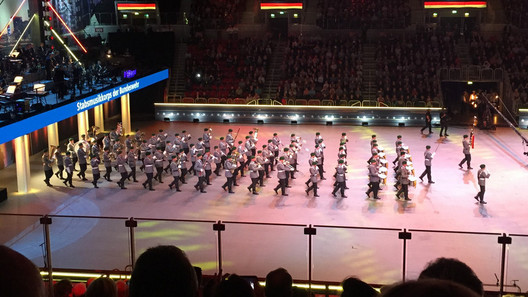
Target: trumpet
287,164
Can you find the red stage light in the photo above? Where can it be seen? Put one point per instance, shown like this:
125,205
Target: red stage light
67,28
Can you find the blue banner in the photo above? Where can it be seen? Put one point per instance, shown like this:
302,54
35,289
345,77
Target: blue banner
23,127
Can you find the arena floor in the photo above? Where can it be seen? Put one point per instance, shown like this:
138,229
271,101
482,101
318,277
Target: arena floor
344,244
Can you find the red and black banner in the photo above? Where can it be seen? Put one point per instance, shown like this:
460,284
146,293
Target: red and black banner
455,4
280,5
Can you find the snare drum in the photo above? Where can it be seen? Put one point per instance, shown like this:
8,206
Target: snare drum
408,156
412,178
405,147
410,168
383,161
409,163
382,176
381,155
383,169
380,149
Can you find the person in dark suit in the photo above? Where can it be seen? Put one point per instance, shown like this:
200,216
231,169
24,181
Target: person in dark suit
428,120
443,122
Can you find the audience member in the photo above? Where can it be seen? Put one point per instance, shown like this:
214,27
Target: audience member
323,69
219,68
428,288
234,286
122,288
19,277
79,290
356,14
63,288
163,271
453,270
278,283
102,287
354,287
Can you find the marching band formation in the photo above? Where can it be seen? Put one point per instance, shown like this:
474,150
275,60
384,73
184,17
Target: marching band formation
163,154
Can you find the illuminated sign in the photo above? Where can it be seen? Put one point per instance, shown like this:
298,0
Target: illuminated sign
129,73
14,130
268,5
455,4
136,6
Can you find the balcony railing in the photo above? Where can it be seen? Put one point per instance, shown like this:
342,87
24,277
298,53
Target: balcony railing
312,253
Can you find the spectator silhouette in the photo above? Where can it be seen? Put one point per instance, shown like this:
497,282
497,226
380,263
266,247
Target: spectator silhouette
428,288
279,283
19,276
354,287
163,271
453,270
102,287
234,286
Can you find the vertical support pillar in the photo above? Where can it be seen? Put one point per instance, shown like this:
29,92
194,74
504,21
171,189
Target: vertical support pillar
22,164
503,240
125,114
53,136
82,123
219,227
310,231
404,236
46,222
28,168
99,117
131,224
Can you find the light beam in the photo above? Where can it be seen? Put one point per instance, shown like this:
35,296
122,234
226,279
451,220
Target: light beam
22,35
67,28
11,19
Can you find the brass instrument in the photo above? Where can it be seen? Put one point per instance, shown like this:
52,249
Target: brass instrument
287,164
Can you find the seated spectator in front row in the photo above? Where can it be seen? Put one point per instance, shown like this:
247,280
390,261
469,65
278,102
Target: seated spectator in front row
102,287
354,287
453,270
428,288
163,271
19,277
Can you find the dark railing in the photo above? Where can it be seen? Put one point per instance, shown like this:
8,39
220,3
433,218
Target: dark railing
376,255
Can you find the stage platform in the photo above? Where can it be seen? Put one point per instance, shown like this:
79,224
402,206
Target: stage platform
354,236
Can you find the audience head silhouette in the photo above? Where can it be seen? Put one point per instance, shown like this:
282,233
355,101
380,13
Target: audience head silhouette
22,279
429,288
453,270
102,287
163,271
278,283
354,287
234,286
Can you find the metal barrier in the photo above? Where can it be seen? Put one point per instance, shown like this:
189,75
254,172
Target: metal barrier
256,248
471,73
